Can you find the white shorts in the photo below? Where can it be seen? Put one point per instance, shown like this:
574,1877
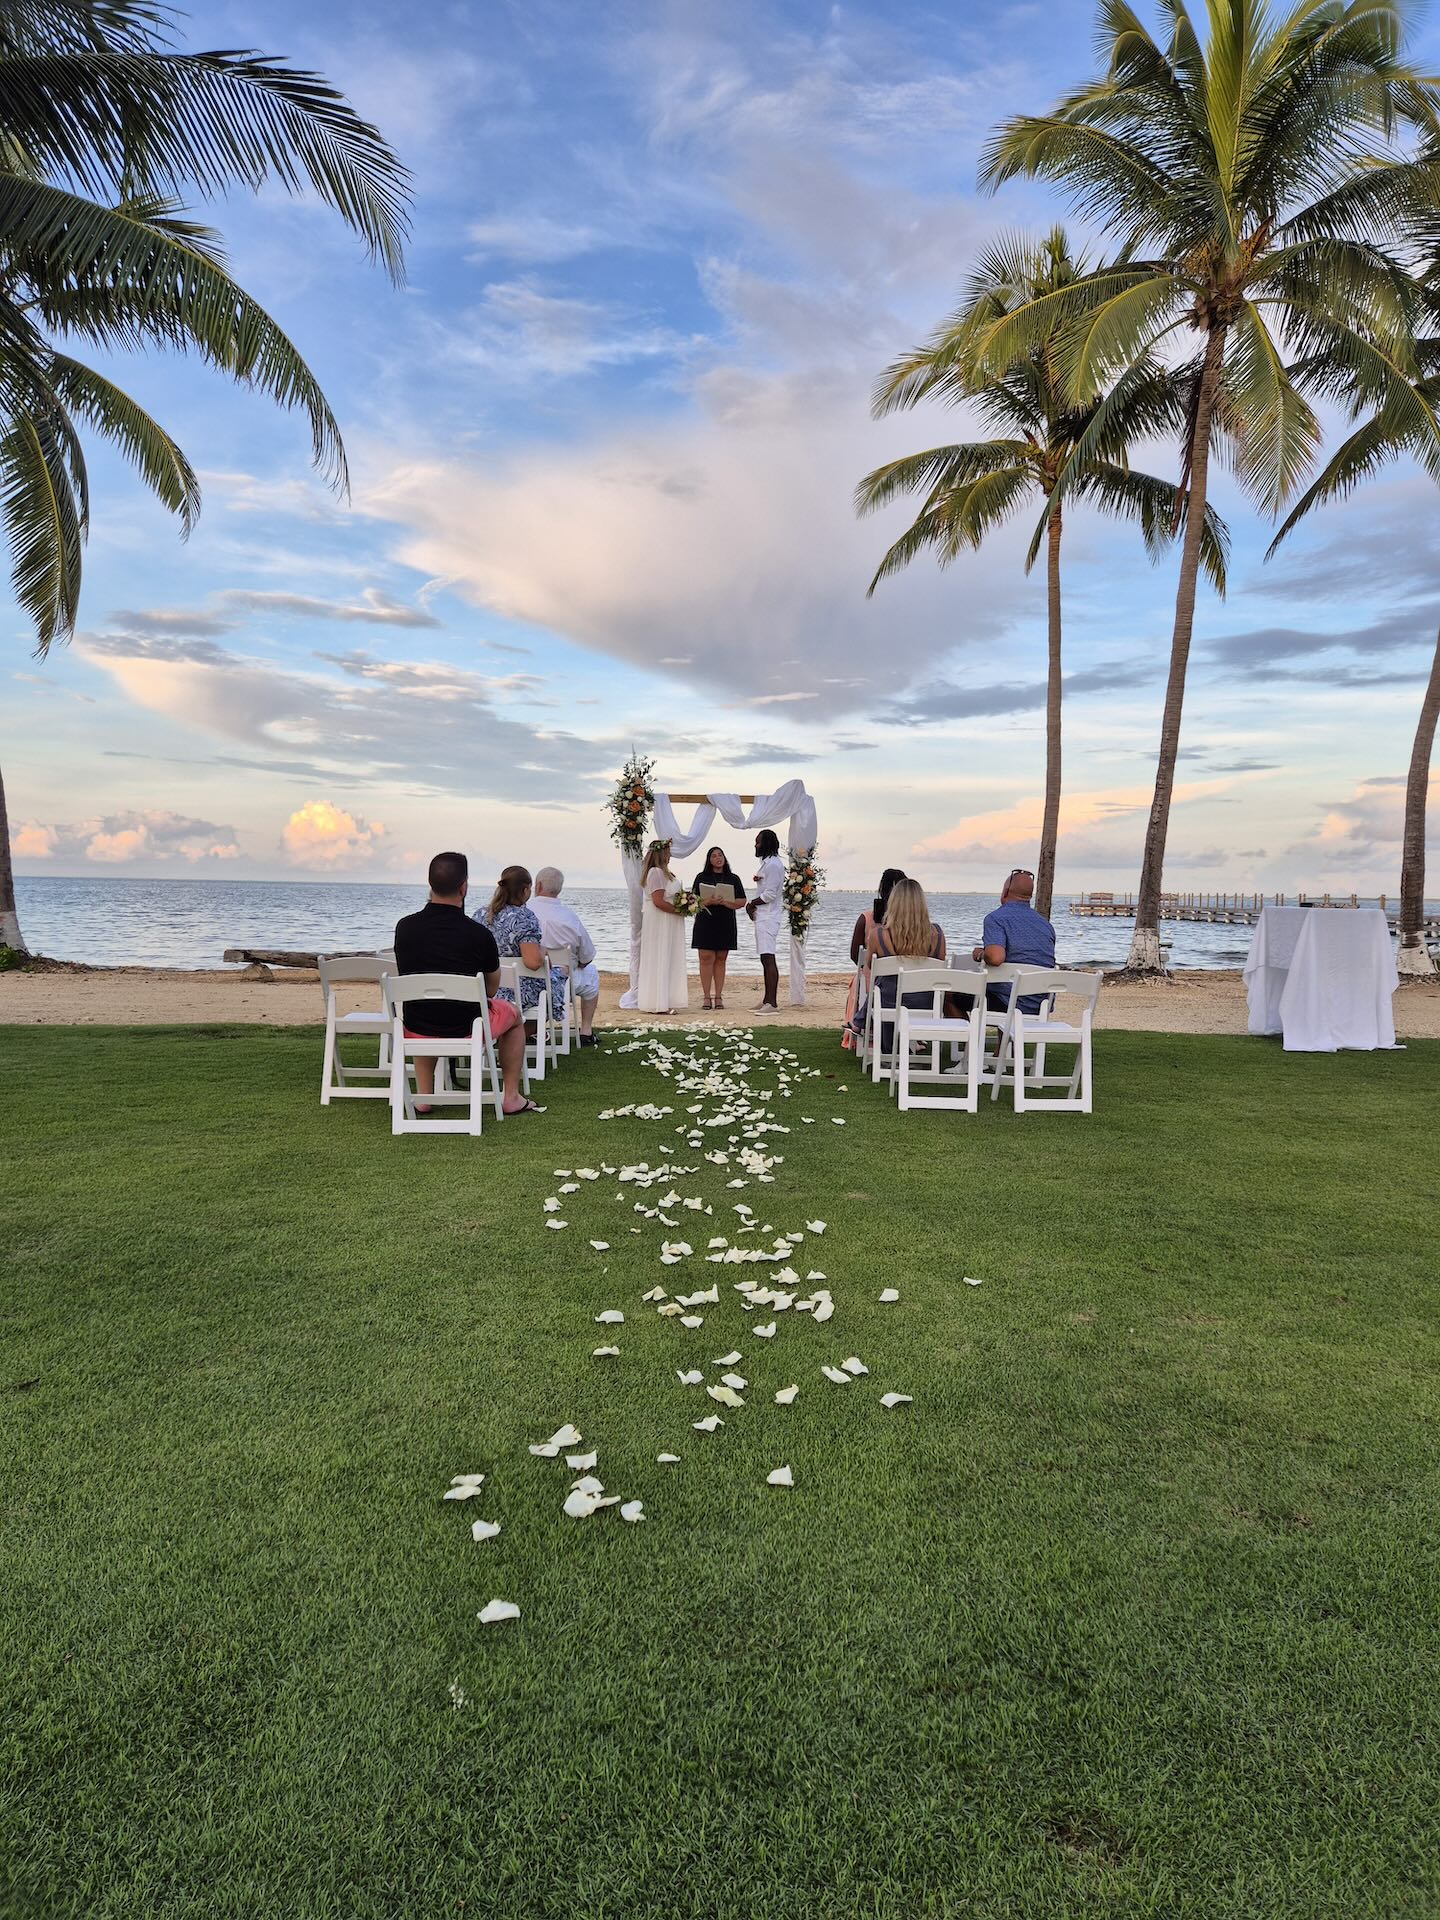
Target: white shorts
767,932
585,982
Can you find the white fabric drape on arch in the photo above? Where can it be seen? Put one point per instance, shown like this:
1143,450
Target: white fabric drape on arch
789,802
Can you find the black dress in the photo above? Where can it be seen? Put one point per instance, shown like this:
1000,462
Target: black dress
715,928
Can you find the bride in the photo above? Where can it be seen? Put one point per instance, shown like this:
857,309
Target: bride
662,986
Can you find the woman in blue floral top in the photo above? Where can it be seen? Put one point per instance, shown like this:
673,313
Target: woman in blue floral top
517,935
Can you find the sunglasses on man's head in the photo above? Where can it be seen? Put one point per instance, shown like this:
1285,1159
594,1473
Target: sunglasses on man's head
1021,873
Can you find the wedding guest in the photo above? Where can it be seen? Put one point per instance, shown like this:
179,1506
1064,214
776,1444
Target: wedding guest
661,986
512,920
907,933
717,933
561,926
860,934
1016,933
764,908
440,939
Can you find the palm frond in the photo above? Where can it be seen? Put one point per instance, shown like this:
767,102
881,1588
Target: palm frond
172,290
44,519
114,121
941,469
97,402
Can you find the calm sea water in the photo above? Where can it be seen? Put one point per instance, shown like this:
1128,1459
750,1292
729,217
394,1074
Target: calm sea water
189,923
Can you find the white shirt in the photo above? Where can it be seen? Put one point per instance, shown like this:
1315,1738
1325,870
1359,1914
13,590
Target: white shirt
561,926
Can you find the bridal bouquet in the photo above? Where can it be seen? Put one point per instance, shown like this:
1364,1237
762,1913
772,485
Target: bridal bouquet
686,903
803,881
630,804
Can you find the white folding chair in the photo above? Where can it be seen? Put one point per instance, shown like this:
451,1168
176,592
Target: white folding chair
477,1050
1025,1071
927,1033
337,1080
543,1050
876,1059
563,962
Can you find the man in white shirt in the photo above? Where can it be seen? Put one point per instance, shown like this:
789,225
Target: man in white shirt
561,926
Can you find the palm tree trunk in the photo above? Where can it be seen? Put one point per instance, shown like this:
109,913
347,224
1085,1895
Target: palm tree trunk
10,934
1145,942
1050,824
1414,956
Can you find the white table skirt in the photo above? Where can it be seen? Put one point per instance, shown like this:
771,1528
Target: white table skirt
1323,977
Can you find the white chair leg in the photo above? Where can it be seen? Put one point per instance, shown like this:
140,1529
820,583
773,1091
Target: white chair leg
327,1076
398,1086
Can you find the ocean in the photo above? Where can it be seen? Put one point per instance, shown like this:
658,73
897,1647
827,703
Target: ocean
189,923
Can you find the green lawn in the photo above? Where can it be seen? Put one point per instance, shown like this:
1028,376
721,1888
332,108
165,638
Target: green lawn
1134,1612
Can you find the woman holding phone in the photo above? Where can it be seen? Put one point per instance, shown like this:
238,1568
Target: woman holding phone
716,934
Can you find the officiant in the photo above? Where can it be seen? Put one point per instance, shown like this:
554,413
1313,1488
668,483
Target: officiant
716,935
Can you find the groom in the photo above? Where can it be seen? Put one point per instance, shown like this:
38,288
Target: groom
764,910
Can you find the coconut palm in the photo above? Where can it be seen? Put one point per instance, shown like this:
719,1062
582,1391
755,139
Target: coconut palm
106,129
972,489
1258,182
1383,438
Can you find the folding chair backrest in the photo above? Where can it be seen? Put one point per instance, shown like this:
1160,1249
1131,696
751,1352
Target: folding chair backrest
349,967
1054,983
399,988
934,980
563,959
962,963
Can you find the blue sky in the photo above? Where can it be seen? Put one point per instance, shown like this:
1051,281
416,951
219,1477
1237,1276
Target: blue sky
603,447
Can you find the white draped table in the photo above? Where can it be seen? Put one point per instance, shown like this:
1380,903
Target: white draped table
1323,977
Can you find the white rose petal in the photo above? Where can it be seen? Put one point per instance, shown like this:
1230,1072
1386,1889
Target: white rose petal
889,1295
692,1319
605,1353
854,1366
969,1282
579,1506
895,1399
735,1380
726,1360
601,1246
785,1396
581,1462
766,1332
815,1226
612,1317
496,1610
633,1510
726,1396
655,1293
545,1452
691,1379
558,1225
781,1477
484,1529
566,1436
708,1424
823,1311
667,1459
841,1379
588,1485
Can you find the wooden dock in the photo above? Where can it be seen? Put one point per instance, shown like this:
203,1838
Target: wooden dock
1230,909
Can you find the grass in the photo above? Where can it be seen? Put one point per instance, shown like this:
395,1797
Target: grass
1133,1613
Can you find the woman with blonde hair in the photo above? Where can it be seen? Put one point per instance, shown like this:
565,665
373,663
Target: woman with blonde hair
908,933
662,986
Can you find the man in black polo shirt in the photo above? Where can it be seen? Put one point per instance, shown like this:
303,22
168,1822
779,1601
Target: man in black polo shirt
442,938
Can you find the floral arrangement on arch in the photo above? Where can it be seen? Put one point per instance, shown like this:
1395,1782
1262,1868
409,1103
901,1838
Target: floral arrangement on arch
803,881
630,805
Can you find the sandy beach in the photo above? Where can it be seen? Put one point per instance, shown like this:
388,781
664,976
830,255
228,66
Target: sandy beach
1195,1002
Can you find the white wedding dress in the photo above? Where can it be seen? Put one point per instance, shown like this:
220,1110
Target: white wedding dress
662,986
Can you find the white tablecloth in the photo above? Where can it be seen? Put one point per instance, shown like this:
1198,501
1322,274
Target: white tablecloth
1323,977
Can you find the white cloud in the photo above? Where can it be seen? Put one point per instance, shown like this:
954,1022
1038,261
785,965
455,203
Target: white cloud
118,839
322,835
354,718
522,331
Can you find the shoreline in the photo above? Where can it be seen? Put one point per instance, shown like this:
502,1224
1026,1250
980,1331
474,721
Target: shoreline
72,993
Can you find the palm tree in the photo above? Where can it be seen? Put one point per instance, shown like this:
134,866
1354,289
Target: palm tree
105,127
1387,436
969,490
1259,189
